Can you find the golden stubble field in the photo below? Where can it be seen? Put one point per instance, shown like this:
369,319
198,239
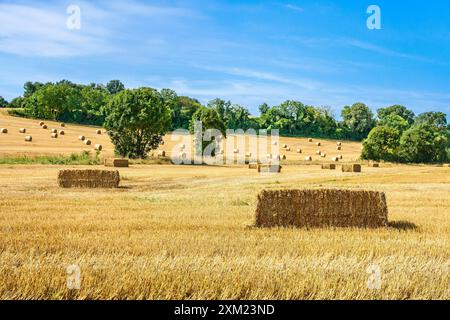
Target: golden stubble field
182,232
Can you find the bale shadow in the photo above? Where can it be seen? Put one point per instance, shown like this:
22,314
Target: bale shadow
402,225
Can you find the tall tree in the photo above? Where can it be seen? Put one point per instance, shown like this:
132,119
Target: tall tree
3,102
136,121
115,86
399,110
358,120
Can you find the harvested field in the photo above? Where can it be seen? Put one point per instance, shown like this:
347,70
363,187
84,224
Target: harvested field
88,179
179,232
321,208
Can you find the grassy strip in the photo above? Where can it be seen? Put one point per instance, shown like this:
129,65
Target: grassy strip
83,158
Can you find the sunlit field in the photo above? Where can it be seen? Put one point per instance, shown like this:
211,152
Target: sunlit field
185,232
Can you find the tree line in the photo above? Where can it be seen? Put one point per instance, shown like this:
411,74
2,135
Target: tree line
394,134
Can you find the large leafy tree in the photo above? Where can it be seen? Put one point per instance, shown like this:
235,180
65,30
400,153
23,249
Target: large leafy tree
399,110
136,121
357,120
437,119
18,102
115,86
423,143
209,119
94,99
3,102
381,144
395,121
53,101
29,88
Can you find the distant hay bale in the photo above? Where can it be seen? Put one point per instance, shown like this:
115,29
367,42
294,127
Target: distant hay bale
28,138
299,150
310,140
318,144
236,151
329,166
161,153
288,149
54,131
338,148
248,154
98,131
62,124
269,168
318,152
88,179
87,142
81,138
182,146
98,147
41,123
116,162
275,143
351,167
308,158
54,136
269,156
335,159
283,157
374,164
323,155
321,208
285,146
22,130
340,156
44,126
253,166
339,144
61,132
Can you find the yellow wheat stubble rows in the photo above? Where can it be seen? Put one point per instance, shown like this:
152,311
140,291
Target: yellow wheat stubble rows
181,232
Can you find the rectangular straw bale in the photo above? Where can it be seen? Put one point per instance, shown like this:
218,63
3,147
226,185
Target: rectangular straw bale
329,166
116,162
351,167
269,168
88,178
253,166
321,208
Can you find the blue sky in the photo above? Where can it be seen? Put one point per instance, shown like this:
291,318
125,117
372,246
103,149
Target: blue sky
318,52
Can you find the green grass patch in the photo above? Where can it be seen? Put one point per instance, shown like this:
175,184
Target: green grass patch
84,158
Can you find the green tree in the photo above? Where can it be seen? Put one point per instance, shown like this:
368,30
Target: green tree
29,88
437,119
93,101
357,120
381,144
3,102
18,102
115,86
53,101
223,109
210,119
423,143
263,108
399,110
136,121
395,121
186,108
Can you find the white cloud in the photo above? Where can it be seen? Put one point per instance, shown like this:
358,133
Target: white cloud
294,8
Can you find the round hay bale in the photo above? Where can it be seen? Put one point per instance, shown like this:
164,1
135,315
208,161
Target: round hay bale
338,148
288,149
308,158
41,123
248,154
161,153
54,136
62,124
87,142
285,146
318,152
318,144
269,156
274,143
310,140
98,147
335,159
299,150
23,130
61,132
283,157
28,138
54,131
323,155
339,144
182,146
81,138
44,126
98,131
236,151
340,156
4,130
